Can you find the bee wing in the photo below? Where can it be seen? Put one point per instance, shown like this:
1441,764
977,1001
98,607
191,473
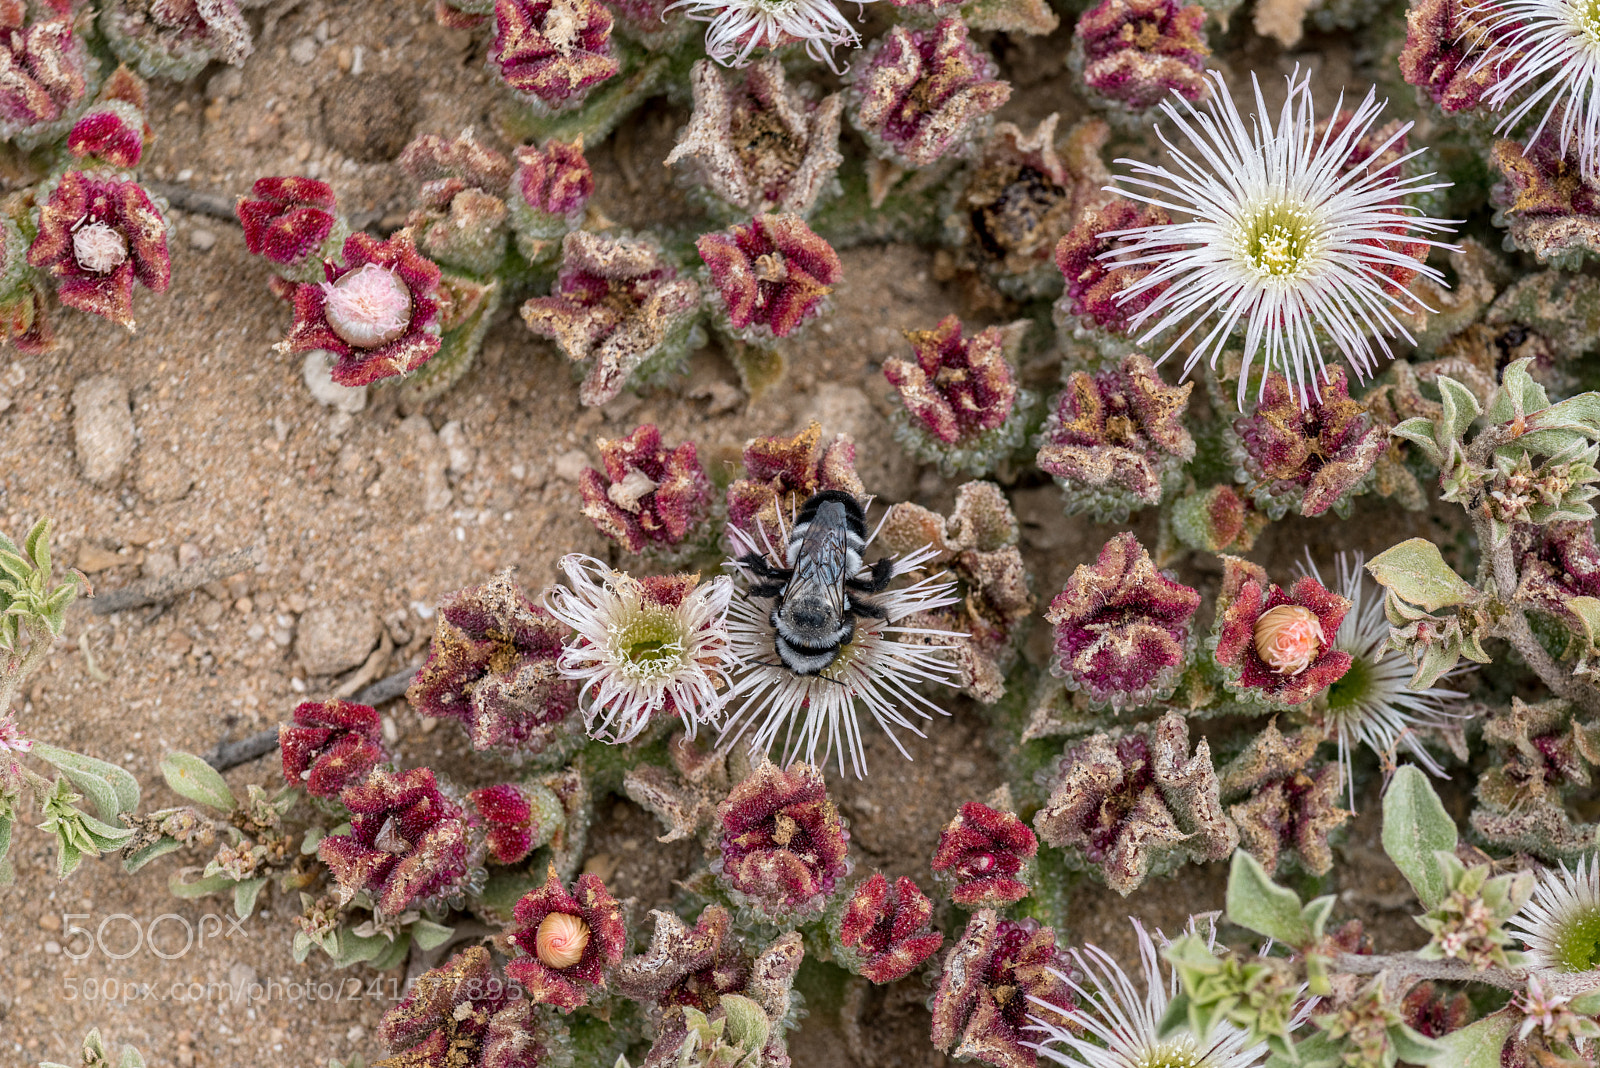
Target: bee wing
821,565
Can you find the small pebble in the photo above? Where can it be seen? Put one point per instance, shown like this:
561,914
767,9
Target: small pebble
569,465
202,240
303,50
102,428
52,947
50,922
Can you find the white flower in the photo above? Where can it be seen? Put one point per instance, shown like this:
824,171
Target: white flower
1548,52
643,646
1280,239
876,671
1561,924
739,27
1121,1024
1373,704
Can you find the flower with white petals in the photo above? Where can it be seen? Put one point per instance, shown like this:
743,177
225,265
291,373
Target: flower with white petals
643,646
1548,52
1121,1025
877,671
1561,924
1288,238
1373,704
739,27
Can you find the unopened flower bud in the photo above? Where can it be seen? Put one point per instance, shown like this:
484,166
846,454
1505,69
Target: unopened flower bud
1288,638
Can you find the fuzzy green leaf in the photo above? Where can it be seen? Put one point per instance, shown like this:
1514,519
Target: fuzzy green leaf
211,884
1478,1045
245,893
198,781
80,768
430,935
144,855
37,545
1420,432
1460,409
1256,902
1414,1047
1415,571
1415,826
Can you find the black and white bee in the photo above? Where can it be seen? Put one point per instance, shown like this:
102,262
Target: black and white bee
817,598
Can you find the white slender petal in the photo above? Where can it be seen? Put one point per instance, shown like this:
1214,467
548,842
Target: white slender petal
1121,1024
1548,54
637,656
1279,239
1560,925
876,671
1373,704
739,27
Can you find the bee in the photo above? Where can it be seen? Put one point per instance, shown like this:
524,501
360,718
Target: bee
818,597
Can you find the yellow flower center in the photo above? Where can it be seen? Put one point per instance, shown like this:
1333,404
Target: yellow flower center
1279,240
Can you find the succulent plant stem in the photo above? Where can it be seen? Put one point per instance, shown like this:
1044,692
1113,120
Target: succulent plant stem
1405,970
37,651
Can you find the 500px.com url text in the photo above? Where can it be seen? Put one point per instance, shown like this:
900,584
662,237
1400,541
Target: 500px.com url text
129,991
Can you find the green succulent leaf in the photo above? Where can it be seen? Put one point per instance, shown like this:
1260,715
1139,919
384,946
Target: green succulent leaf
112,789
1460,409
1415,827
1478,1045
145,854
1256,902
1416,572
429,935
193,778
211,884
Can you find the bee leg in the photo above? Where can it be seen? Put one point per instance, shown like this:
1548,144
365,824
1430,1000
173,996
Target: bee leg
865,606
882,575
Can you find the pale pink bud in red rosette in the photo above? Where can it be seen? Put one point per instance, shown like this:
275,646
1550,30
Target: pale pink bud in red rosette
549,195
407,842
781,473
1093,284
378,314
1122,628
919,95
330,745
568,938
1276,647
619,302
1134,54
649,498
784,845
98,234
997,979
463,1014
985,856
768,278
1312,458
112,133
885,930
294,223
492,667
553,51
47,70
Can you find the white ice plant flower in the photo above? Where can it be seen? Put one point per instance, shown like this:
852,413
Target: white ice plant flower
643,646
1373,704
877,671
739,27
1282,238
1547,52
1561,924
1122,1024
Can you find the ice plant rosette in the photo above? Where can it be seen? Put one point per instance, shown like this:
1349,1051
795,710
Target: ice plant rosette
738,27
1274,645
1116,1025
1281,241
1372,703
876,671
1548,55
643,647
1561,925
378,315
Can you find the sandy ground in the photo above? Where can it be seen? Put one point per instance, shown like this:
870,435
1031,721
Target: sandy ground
233,452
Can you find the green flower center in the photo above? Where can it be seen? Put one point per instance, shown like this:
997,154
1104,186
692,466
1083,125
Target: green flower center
1577,943
1348,694
1279,240
1586,20
650,645
1179,1054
